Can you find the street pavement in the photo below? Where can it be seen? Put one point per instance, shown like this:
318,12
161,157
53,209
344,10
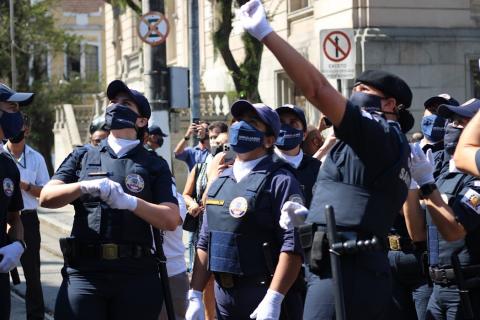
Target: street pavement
54,224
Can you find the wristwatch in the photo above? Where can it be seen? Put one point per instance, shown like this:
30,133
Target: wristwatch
186,138
427,189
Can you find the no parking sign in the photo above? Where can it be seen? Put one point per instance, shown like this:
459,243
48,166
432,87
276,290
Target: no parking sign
338,53
153,28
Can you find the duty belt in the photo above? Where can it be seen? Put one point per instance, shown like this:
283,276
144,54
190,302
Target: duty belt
229,281
399,243
442,276
73,250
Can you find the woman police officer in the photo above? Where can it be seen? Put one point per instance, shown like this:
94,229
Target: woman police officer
110,271
254,261
365,177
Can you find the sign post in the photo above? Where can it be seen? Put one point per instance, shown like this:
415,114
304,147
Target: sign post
338,54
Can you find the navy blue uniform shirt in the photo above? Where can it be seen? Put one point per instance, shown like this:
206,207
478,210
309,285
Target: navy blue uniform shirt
361,137
163,187
10,195
281,187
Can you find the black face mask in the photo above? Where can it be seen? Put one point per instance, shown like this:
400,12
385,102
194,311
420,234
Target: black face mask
451,137
216,149
370,102
118,116
18,138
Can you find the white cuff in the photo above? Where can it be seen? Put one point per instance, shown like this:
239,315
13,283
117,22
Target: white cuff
195,294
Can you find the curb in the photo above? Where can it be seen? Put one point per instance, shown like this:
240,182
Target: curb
55,224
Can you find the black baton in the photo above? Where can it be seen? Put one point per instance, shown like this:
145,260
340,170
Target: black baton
465,300
162,266
335,264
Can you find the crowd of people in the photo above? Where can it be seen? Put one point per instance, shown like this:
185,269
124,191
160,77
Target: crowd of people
254,206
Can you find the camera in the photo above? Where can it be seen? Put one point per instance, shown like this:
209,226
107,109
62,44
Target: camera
328,123
230,155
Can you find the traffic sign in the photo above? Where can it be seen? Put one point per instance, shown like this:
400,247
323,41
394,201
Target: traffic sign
338,53
153,28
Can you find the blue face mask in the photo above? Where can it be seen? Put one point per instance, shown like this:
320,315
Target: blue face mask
289,137
244,137
118,116
367,101
433,127
12,124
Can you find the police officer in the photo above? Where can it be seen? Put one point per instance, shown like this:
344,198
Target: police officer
98,131
453,224
12,245
155,137
254,261
433,129
467,154
288,147
119,191
365,177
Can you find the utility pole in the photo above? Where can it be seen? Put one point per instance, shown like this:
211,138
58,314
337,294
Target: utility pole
156,81
194,60
13,61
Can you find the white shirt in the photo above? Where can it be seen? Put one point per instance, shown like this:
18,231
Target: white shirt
121,146
293,160
33,169
173,245
242,168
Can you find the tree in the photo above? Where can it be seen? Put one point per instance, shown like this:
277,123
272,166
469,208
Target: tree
36,38
244,75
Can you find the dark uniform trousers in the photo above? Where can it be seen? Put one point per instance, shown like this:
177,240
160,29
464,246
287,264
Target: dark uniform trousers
411,291
31,265
444,303
4,296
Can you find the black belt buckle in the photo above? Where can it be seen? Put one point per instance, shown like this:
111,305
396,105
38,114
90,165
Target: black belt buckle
439,276
394,242
225,280
109,251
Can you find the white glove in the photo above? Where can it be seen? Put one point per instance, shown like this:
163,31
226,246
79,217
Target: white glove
97,187
269,308
253,18
413,184
10,256
195,310
292,215
422,166
118,199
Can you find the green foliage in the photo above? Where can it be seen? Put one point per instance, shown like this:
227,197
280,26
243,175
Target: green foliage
244,75
37,38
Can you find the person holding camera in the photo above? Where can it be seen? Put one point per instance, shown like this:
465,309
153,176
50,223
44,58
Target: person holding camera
12,245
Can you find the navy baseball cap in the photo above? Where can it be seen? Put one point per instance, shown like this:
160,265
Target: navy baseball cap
8,95
390,84
443,98
295,110
117,86
466,110
266,114
154,129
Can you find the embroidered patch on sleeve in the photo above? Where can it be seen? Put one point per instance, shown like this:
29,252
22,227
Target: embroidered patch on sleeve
471,199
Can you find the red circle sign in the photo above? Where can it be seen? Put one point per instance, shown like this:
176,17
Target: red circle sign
336,46
153,28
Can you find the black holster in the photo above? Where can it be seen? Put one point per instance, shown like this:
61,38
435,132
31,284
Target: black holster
315,245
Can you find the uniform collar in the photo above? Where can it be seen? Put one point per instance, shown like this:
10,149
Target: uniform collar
294,161
122,147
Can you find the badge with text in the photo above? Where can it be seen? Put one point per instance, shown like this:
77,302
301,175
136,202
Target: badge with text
238,207
472,200
8,187
134,182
